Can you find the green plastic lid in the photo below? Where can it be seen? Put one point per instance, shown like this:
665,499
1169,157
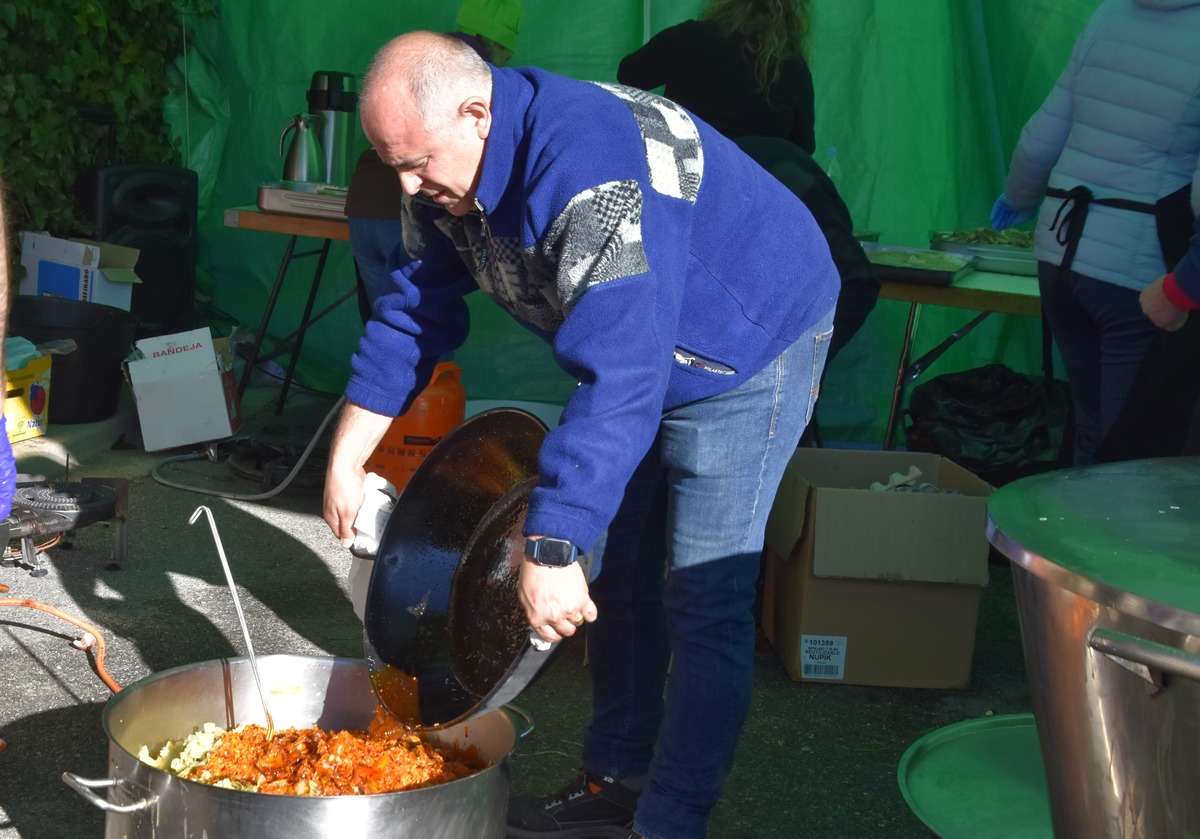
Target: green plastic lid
979,779
1125,535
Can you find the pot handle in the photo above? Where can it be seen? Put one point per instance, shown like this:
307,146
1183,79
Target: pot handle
85,787
1151,654
521,715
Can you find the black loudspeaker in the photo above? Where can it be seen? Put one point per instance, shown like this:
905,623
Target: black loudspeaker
152,208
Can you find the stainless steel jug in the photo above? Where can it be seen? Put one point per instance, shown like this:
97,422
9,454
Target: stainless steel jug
303,160
333,101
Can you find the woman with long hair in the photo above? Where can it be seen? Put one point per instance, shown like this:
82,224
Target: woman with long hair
741,67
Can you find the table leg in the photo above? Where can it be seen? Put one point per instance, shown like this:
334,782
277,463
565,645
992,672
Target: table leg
304,324
266,318
914,313
908,373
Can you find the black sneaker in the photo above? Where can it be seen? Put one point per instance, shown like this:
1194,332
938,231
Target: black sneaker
575,811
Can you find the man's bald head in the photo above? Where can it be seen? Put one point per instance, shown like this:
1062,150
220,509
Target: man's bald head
428,71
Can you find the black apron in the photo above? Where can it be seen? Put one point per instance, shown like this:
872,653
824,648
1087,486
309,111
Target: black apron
1159,411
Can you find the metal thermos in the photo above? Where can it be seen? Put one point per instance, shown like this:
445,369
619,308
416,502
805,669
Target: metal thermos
303,160
333,98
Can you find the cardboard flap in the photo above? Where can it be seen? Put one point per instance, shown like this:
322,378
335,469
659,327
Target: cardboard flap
112,256
173,355
45,246
866,534
862,535
122,275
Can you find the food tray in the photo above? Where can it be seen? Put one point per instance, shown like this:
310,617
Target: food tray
303,199
911,274
979,779
1003,259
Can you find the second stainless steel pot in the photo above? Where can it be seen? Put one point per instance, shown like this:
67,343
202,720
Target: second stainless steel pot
1108,591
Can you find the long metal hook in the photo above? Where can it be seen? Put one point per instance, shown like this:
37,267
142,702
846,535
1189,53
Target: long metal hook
237,605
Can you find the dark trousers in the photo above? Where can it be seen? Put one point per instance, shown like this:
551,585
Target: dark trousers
1103,338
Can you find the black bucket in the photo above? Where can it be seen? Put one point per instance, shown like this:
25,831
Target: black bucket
85,385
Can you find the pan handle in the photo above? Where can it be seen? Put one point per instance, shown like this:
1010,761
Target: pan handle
86,786
1151,654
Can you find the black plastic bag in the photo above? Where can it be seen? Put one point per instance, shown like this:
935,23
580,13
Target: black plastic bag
992,420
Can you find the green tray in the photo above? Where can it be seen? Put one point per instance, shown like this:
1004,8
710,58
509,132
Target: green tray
979,779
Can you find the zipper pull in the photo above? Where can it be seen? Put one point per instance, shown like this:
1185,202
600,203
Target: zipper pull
484,236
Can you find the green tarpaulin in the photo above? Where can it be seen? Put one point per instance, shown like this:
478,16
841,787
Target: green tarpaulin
922,101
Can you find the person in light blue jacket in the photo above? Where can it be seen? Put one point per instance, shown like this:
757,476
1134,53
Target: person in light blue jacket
1110,157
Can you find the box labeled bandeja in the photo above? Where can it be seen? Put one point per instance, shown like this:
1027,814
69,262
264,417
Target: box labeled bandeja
185,389
78,269
27,399
874,587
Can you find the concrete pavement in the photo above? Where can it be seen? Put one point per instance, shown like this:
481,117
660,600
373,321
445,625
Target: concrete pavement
816,760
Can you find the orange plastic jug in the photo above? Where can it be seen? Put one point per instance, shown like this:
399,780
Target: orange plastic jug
433,414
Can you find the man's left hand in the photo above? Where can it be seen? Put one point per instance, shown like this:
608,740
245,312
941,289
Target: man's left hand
556,600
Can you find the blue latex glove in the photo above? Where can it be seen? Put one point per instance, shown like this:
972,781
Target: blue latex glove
1006,215
8,471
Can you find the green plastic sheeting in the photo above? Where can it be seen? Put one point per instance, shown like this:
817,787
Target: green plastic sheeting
923,101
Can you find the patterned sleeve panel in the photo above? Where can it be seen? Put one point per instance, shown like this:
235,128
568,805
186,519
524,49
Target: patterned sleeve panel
597,238
598,235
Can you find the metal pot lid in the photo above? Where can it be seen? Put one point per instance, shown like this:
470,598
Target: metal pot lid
446,637
1124,535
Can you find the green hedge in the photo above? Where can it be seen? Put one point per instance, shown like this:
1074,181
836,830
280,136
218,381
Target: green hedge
76,78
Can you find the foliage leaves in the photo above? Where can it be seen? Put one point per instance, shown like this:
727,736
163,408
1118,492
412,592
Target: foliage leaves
82,83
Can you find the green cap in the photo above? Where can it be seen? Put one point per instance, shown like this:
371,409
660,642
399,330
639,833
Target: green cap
499,20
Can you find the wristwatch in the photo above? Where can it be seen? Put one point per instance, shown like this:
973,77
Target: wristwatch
551,552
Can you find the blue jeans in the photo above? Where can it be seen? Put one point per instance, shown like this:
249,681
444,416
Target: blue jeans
680,563
372,241
1103,337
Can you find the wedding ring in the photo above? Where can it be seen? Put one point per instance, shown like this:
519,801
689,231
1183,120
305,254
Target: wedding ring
577,620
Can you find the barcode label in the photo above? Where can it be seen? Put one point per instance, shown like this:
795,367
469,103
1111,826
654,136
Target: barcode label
818,671
823,657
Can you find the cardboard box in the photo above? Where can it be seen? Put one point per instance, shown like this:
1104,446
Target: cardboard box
185,389
78,269
27,399
874,587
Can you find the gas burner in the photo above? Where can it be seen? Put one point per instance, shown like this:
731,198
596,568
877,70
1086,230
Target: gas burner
94,501
41,509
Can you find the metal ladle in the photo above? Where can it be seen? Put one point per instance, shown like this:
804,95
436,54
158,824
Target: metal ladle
237,605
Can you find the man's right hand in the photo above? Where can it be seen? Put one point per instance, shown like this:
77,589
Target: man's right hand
357,434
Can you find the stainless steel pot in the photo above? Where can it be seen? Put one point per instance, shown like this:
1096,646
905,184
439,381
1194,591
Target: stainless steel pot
333,693
1108,592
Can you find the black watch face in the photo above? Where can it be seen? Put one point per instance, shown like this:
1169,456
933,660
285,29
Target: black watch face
556,552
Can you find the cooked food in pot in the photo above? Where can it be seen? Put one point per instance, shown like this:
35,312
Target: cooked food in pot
312,761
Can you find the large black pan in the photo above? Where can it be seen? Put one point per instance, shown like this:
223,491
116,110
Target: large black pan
446,638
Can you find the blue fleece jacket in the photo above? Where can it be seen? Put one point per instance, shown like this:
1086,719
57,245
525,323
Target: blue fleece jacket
661,263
